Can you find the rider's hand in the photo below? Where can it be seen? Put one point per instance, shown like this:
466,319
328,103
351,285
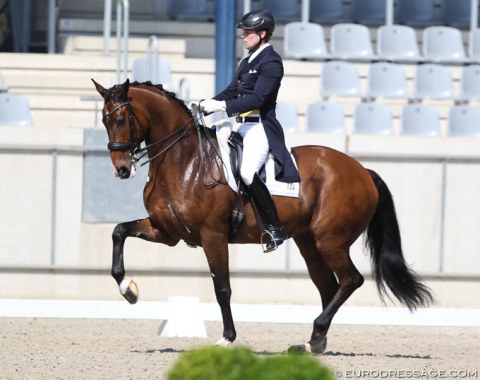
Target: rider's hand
212,105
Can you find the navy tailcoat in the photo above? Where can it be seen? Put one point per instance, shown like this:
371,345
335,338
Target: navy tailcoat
256,86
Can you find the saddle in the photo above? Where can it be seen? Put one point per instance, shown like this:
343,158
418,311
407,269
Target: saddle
235,142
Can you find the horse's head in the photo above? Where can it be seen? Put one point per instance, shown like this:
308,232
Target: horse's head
124,131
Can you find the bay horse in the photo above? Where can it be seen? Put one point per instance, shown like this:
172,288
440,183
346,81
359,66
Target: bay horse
187,198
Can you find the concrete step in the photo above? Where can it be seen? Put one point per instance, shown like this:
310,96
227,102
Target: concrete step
91,46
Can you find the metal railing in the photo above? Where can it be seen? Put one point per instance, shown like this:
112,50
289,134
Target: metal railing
122,34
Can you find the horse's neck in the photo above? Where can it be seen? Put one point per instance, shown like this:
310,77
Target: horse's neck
180,146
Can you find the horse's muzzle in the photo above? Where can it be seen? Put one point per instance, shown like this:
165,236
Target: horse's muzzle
123,172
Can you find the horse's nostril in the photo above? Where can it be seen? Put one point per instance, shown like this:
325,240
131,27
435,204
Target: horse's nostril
123,172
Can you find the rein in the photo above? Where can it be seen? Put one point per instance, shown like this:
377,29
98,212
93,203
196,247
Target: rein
137,152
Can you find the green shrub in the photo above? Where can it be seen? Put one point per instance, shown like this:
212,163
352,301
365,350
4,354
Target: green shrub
220,363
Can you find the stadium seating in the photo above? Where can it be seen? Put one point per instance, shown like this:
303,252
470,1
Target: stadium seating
420,120
351,42
340,78
387,80
368,12
325,117
456,13
304,41
418,13
398,43
470,83
327,11
463,121
283,10
373,118
433,81
474,45
14,110
443,44
189,9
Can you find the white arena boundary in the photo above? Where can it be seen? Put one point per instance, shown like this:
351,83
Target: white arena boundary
241,312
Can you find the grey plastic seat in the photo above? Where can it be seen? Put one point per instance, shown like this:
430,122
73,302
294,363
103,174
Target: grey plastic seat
433,81
420,120
463,120
14,110
340,78
456,13
443,44
283,10
351,42
144,69
387,80
287,115
398,43
325,117
327,12
373,118
368,12
474,45
189,10
304,41
418,13
470,82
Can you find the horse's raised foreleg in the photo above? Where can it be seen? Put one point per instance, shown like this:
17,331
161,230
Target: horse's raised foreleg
216,251
138,228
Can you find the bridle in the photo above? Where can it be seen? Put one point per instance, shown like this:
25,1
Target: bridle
134,144
137,152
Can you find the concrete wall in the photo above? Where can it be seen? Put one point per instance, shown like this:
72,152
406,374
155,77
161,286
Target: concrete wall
48,251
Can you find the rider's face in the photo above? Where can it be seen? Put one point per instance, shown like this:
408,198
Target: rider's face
251,38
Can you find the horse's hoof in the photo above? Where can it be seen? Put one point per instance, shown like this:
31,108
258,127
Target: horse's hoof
299,348
319,346
222,342
129,290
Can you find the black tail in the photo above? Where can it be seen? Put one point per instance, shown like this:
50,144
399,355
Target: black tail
388,264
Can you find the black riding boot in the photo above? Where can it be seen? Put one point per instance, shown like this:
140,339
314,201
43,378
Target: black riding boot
263,203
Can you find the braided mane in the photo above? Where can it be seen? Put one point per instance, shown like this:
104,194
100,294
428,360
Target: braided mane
159,87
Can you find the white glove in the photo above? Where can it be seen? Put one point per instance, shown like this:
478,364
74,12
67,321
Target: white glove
193,103
212,105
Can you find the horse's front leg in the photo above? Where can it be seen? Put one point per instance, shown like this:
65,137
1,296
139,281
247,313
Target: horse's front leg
216,251
141,228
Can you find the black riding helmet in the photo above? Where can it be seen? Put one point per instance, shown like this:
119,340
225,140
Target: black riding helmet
258,20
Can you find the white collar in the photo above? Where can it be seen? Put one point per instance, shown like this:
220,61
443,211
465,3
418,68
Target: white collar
257,52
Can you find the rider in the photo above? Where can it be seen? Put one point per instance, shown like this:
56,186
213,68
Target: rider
251,97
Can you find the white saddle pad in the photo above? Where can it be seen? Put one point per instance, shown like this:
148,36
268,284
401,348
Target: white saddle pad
224,128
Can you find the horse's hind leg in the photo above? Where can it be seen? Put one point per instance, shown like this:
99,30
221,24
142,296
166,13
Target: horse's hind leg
323,278
137,228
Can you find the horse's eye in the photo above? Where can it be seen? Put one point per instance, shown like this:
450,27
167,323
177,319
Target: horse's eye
120,122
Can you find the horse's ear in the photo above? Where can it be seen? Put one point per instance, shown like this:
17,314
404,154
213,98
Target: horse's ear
123,93
101,90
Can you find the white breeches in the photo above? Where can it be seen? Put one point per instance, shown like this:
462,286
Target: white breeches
255,149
